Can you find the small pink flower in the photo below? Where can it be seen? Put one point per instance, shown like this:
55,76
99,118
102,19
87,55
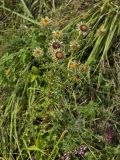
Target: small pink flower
81,151
66,156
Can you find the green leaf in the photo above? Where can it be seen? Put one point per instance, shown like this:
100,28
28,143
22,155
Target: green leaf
34,148
22,16
35,70
26,10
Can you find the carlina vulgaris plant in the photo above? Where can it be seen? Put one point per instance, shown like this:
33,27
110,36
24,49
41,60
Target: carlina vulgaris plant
83,28
58,55
103,28
45,21
76,77
74,44
73,65
37,53
57,34
56,45
85,68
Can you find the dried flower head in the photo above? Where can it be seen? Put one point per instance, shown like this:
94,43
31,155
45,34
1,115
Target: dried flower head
45,21
37,53
83,28
81,151
76,77
59,55
74,44
101,30
57,34
85,68
73,65
56,45
66,156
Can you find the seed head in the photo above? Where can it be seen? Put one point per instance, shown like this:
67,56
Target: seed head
56,45
84,28
59,55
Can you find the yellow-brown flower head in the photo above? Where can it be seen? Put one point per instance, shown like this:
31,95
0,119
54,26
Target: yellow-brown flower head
76,77
37,53
57,34
74,44
101,30
45,21
85,68
74,65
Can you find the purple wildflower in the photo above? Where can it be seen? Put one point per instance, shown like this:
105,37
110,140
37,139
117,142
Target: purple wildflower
81,151
66,156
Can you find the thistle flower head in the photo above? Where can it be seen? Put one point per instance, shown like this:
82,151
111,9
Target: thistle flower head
45,21
59,55
76,77
83,28
74,44
73,65
37,53
85,68
56,44
57,34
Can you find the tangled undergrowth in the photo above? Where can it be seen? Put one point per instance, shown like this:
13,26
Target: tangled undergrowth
59,82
